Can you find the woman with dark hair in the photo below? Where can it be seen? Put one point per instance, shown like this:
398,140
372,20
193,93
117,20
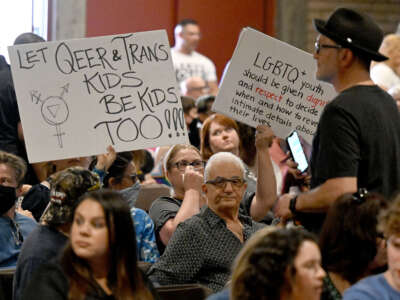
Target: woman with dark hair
278,264
122,176
350,241
386,285
100,260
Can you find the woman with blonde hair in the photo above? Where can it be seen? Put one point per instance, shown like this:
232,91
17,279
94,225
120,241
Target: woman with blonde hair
386,74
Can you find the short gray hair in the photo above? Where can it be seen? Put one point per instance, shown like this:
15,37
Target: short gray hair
226,157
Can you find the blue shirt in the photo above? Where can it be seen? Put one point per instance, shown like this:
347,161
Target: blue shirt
371,288
222,295
12,234
145,237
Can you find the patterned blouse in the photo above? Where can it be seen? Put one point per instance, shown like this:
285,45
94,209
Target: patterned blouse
201,250
145,238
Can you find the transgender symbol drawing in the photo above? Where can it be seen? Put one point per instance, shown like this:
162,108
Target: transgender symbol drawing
54,111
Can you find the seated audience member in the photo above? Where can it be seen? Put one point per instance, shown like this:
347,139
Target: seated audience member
384,286
14,227
194,87
204,246
279,264
204,105
99,262
184,169
387,74
38,197
46,241
191,119
351,246
122,177
220,133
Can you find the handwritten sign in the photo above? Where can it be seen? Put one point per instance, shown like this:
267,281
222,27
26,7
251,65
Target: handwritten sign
271,82
77,97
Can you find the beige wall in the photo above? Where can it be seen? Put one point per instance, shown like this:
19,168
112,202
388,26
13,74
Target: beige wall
385,12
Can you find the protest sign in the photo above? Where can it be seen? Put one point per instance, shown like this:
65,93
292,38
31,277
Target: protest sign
271,82
77,97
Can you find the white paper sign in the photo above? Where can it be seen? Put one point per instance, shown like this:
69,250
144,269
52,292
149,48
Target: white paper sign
271,82
77,97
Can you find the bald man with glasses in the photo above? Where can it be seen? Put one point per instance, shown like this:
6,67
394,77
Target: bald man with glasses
203,247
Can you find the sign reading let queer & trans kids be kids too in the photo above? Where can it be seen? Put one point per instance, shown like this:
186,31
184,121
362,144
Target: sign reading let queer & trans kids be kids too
77,97
271,82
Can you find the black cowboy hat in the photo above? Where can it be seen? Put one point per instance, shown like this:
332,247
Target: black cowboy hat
353,30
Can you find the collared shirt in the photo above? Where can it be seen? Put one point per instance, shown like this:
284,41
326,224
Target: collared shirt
145,238
201,250
165,208
12,234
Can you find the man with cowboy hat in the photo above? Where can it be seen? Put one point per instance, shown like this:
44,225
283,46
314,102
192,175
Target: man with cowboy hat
357,143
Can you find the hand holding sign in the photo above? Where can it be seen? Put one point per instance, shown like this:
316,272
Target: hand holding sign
90,93
272,83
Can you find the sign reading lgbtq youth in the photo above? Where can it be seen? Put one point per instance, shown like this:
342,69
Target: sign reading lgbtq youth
76,97
271,82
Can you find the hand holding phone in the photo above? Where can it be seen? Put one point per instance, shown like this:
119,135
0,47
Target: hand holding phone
297,151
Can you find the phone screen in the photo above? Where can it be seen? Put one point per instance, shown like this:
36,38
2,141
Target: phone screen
297,151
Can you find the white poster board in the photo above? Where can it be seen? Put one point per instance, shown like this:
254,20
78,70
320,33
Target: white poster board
77,97
271,82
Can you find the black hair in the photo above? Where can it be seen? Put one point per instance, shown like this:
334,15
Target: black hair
28,38
187,21
117,169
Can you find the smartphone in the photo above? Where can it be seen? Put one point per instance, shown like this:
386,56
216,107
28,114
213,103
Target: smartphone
297,151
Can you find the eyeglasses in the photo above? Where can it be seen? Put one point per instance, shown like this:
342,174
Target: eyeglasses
181,165
221,182
319,46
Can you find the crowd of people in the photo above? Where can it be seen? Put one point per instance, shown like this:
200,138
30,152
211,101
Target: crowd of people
70,229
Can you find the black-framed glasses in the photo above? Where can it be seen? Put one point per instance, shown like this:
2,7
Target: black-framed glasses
319,46
360,195
182,164
221,182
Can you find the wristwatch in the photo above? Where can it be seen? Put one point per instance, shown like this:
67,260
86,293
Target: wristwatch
292,205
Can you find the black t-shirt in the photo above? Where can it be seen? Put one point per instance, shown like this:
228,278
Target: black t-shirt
358,135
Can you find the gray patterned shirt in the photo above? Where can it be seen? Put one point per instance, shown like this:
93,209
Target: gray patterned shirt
201,250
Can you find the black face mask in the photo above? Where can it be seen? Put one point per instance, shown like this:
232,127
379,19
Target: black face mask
8,198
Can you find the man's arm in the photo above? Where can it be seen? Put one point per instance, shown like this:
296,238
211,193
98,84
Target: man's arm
318,199
266,182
